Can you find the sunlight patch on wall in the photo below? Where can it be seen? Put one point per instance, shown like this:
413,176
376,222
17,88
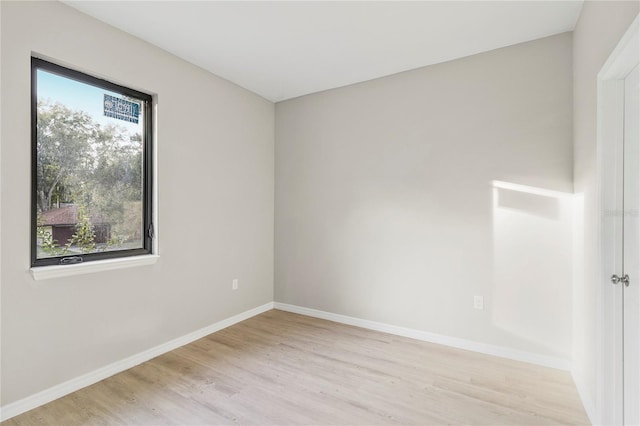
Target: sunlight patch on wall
532,252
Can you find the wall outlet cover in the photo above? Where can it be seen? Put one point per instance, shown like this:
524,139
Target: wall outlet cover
478,302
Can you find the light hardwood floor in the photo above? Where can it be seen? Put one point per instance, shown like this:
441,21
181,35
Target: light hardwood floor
280,368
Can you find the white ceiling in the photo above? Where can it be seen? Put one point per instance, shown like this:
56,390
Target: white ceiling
282,50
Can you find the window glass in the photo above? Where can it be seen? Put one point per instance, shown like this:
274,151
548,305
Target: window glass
91,168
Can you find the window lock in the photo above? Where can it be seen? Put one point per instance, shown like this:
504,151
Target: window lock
71,260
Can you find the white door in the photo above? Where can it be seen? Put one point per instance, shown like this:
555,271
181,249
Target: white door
631,251
618,318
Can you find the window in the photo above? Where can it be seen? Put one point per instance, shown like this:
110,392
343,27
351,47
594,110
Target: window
90,169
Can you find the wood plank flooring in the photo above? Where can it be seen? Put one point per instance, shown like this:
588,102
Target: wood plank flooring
280,368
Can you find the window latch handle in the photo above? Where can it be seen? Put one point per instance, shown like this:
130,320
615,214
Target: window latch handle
70,260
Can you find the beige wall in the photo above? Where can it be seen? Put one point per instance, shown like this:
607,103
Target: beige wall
385,205
599,28
215,150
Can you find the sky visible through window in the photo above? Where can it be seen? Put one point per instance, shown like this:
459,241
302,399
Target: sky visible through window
80,97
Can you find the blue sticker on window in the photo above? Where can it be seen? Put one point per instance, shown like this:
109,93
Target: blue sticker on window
121,109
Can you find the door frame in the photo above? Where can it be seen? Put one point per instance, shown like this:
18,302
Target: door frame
609,145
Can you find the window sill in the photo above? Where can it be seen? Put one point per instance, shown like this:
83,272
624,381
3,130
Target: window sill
58,271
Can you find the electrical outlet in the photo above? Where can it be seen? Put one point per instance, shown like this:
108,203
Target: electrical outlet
478,302
234,284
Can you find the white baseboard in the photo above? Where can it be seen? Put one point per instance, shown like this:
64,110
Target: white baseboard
11,410
470,345
588,404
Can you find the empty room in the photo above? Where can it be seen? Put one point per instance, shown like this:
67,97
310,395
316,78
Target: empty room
319,213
